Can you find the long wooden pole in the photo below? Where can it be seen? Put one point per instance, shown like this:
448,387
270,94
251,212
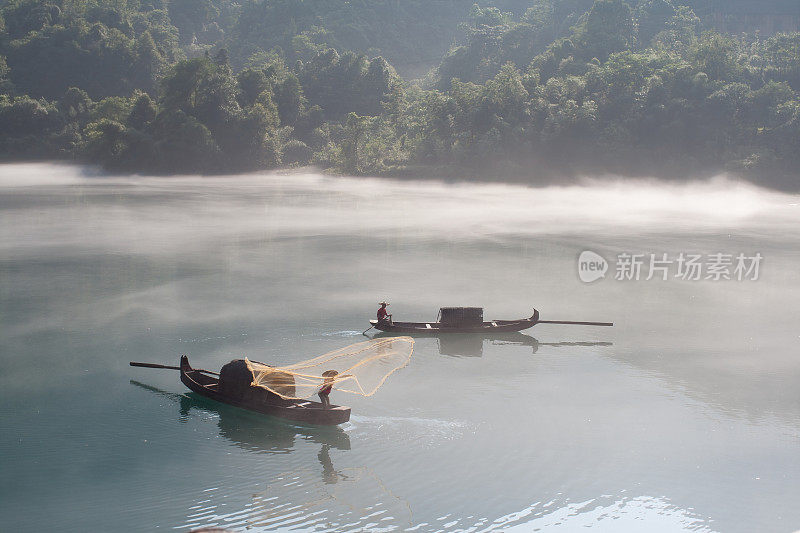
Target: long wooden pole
575,323
154,365
167,367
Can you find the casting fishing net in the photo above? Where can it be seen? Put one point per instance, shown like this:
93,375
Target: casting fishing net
358,369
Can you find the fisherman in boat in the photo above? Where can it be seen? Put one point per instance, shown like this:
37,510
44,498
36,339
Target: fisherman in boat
383,314
327,386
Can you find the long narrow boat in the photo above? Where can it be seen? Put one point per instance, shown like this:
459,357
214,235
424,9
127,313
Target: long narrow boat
304,411
470,320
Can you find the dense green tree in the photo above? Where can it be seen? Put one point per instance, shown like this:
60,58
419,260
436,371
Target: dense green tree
770,106
75,104
567,86
4,83
497,40
488,16
410,34
352,144
142,113
715,55
193,18
296,152
653,17
608,28
341,84
106,142
28,127
252,82
782,59
203,89
289,99
104,49
26,116
680,33
183,144
25,16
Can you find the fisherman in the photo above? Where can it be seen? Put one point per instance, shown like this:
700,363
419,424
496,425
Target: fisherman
327,386
383,314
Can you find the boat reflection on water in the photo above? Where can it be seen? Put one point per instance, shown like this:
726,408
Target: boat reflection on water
471,344
344,496
575,343
256,432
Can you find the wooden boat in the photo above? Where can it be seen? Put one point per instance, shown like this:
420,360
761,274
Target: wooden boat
469,320
472,323
237,425
205,384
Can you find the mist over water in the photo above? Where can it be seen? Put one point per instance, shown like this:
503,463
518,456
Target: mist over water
683,416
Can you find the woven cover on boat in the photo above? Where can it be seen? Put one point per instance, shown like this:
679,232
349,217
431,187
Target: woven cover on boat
358,369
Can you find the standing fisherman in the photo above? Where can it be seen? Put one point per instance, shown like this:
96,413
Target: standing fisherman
327,386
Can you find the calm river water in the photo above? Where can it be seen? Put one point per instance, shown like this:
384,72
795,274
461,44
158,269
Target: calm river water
683,416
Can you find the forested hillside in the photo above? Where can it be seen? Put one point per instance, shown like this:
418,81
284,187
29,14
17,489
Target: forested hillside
533,89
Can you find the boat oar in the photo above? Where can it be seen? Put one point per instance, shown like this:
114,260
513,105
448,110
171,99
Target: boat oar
575,323
154,365
366,330
167,367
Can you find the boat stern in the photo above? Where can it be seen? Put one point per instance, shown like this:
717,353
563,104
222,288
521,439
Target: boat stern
337,414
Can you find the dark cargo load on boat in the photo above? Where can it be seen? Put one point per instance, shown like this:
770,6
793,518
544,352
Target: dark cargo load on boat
461,316
235,381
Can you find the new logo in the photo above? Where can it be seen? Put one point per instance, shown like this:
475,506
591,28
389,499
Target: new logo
591,266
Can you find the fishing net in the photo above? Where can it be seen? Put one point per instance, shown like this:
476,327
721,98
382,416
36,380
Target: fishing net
358,369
